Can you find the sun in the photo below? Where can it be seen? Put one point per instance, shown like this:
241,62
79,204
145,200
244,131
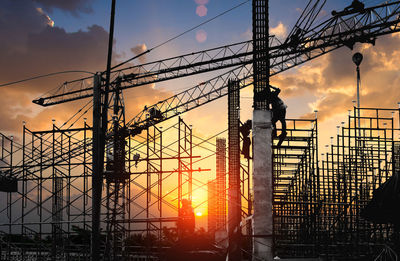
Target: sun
199,214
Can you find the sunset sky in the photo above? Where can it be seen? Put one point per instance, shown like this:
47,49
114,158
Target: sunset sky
44,36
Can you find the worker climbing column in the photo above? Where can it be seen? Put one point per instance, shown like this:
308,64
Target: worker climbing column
262,141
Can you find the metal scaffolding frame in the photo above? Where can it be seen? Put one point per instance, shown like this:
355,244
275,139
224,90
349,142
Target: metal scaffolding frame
221,183
52,169
295,186
318,204
50,211
355,165
234,197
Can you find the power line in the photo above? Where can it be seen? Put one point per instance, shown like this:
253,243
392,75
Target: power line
135,57
42,76
179,35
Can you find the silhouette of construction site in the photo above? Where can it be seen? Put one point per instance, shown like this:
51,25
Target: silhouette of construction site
318,198
118,189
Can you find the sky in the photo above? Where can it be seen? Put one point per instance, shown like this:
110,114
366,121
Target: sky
44,36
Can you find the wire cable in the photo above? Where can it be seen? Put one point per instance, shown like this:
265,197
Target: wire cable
42,76
135,57
183,33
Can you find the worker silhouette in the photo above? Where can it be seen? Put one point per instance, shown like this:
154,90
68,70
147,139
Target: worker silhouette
295,39
186,223
155,114
278,113
355,7
278,110
245,131
136,158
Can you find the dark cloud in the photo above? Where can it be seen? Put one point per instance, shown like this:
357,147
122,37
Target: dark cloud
73,6
18,19
32,47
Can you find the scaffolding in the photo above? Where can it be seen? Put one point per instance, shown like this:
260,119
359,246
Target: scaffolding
49,214
221,184
217,203
318,204
358,162
296,187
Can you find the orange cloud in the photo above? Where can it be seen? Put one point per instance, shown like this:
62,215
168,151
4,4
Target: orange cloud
33,48
138,49
279,31
332,78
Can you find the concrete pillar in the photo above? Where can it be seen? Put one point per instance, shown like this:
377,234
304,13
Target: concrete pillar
262,186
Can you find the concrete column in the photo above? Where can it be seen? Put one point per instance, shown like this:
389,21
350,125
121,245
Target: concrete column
262,186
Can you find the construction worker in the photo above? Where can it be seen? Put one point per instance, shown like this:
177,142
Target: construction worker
355,7
186,223
136,158
278,113
294,39
278,110
245,131
155,114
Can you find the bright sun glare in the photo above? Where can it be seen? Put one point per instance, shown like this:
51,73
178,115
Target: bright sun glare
199,214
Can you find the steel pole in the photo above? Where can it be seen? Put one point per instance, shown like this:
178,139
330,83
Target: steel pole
97,169
358,96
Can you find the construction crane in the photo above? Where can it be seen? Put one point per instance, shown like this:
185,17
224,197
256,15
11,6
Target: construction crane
330,35
335,32
304,43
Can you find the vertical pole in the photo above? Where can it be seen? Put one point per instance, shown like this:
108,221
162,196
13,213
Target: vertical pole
358,97
234,197
23,204
97,169
160,180
84,175
358,86
179,168
100,123
54,200
190,164
357,59
150,139
262,139
220,233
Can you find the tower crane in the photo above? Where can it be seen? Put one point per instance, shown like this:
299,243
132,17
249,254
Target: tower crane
331,34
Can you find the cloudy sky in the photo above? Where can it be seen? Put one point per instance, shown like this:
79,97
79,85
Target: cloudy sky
43,36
